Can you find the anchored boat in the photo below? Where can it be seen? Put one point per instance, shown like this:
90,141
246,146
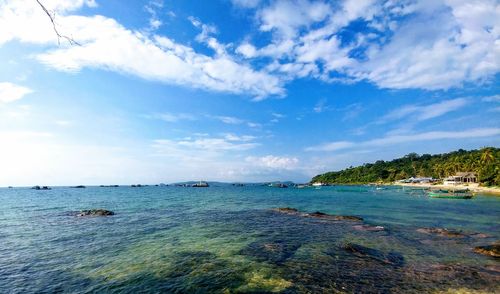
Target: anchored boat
452,194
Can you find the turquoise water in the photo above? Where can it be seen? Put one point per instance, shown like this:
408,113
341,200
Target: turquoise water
229,240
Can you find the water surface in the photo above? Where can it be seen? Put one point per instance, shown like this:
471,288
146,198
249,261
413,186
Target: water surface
228,240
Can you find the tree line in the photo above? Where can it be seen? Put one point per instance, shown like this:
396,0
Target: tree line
485,162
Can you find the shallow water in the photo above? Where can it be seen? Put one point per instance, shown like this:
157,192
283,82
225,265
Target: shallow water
227,239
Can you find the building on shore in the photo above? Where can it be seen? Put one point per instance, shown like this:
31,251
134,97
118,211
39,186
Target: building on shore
418,180
461,178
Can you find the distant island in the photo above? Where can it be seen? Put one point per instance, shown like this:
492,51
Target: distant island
484,162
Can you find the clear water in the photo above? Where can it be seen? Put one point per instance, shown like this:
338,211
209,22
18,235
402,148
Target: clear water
228,240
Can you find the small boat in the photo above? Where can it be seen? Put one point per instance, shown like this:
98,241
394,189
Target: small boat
451,194
278,185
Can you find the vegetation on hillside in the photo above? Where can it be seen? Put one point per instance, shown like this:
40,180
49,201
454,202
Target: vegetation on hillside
485,162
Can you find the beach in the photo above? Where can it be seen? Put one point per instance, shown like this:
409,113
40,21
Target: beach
473,187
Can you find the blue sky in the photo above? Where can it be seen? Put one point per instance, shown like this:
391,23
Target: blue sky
240,90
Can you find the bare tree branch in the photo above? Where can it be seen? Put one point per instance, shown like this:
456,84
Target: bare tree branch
52,16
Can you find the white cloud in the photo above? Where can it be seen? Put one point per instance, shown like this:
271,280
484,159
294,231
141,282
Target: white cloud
108,45
11,92
493,98
287,16
417,137
229,120
210,145
244,138
461,46
152,7
274,162
63,123
425,112
254,125
333,146
320,106
172,117
247,50
398,51
246,3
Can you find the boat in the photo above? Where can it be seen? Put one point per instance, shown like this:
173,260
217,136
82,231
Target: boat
278,185
451,194
200,184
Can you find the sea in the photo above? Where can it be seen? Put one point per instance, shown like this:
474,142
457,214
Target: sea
231,239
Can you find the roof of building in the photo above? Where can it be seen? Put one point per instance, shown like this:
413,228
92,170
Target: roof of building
466,174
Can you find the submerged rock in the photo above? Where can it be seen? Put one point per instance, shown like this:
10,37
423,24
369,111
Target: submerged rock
287,210
490,250
391,258
274,251
368,228
318,214
322,215
96,212
479,235
441,232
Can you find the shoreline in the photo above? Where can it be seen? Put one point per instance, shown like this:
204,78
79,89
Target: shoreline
473,187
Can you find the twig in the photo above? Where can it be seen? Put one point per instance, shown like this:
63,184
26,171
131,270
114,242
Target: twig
51,16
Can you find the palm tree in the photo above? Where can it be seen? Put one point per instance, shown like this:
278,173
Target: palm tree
487,156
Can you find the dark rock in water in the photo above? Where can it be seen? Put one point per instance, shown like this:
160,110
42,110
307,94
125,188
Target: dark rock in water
318,215
368,228
40,188
391,258
287,210
96,212
490,250
274,251
78,187
479,235
322,215
442,232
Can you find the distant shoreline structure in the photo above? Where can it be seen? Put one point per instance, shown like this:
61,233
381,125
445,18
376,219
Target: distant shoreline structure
473,187
474,167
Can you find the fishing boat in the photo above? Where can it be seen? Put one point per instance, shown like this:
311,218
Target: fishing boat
451,194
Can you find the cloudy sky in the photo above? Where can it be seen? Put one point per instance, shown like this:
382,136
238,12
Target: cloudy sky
240,90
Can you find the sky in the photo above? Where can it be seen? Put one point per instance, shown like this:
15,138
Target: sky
240,90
